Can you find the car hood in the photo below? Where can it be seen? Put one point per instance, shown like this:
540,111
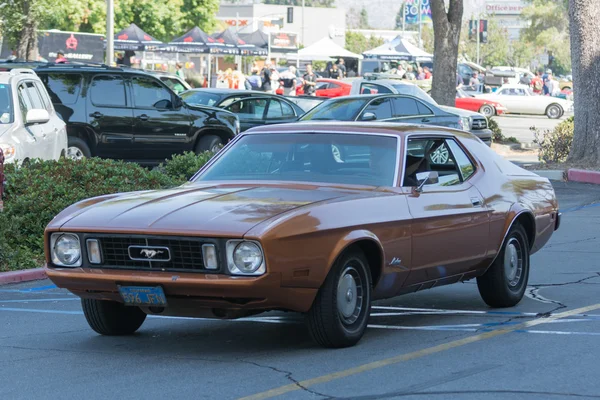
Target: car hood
218,211
460,112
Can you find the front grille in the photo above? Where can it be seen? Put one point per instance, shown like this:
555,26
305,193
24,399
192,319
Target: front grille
186,254
479,123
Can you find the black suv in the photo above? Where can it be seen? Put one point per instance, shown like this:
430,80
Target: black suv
130,114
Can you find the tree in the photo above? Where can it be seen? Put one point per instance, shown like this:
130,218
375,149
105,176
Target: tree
199,13
363,22
494,52
399,18
352,19
358,43
446,28
584,16
307,3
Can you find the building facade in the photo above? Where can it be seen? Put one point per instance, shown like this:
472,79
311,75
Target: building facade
507,13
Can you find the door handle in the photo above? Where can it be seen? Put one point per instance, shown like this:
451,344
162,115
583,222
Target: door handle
144,117
476,202
425,120
96,115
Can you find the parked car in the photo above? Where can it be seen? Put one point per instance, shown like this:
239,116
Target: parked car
275,222
306,103
486,107
253,108
474,122
129,114
520,99
175,83
29,126
332,88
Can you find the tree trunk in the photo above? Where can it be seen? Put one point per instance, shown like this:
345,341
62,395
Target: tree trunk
27,45
446,30
585,53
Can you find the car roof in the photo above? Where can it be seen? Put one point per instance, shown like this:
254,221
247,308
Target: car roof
514,86
17,73
227,91
367,128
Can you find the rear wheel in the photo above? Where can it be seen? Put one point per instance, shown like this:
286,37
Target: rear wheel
111,318
78,149
487,110
504,283
554,111
339,314
210,143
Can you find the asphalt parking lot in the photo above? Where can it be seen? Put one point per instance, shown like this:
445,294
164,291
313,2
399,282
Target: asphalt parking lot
436,344
518,126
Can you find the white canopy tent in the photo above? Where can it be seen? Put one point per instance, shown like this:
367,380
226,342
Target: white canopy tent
397,48
324,50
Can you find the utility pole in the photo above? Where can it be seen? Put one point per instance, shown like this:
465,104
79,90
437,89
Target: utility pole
110,32
403,18
478,35
303,37
420,23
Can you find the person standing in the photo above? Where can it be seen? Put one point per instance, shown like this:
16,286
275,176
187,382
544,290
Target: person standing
537,85
266,77
420,74
427,72
310,81
179,72
474,81
342,68
545,82
254,79
60,57
288,80
335,72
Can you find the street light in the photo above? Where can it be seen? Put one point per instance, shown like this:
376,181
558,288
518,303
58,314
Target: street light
110,32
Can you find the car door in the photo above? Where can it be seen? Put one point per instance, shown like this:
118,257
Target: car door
380,107
250,111
44,132
509,99
450,228
279,112
110,115
410,110
161,126
30,136
56,144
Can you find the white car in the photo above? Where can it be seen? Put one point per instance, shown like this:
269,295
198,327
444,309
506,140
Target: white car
520,99
30,128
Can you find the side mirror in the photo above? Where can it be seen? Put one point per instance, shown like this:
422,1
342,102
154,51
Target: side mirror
427,178
163,104
177,102
37,116
368,116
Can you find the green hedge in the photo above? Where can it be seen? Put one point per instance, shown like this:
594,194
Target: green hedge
35,193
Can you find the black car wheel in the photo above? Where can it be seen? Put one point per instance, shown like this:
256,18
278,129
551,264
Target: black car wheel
111,318
339,314
504,283
210,143
78,149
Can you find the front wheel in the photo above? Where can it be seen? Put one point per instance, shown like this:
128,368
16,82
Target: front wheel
554,111
78,149
487,110
339,315
210,143
504,283
111,318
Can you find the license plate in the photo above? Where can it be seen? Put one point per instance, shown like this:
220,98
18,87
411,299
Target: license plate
143,296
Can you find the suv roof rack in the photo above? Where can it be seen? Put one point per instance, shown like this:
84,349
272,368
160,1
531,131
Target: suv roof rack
373,76
17,71
76,65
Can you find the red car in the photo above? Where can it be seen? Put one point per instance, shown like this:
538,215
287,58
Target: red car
486,107
332,88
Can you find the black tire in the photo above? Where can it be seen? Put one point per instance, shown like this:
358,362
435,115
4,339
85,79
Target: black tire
487,110
111,318
496,287
209,143
328,326
78,149
554,111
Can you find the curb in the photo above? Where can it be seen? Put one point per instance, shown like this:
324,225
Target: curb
583,176
552,174
22,276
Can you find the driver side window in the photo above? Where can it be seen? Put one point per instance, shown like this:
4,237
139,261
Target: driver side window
440,155
148,93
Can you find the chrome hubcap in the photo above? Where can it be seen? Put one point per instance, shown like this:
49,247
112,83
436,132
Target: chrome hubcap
75,153
349,295
553,111
440,155
337,155
487,111
513,262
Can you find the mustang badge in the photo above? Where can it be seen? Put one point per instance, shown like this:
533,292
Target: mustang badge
150,253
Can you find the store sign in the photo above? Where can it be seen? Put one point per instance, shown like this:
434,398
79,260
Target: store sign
411,11
283,41
237,22
504,8
76,46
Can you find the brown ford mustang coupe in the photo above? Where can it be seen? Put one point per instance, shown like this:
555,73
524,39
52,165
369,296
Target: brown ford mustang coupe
317,218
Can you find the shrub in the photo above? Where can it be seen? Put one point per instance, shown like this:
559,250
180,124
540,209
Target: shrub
34,194
497,135
181,167
555,144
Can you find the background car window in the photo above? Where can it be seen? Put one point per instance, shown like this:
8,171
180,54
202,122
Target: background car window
44,96
34,96
202,98
405,106
24,101
6,112
462,160
382,108
173,84
148,92
322,85
279,109
108,90
372,88
249,109
333,86
339,110
423,109
62,88
230,100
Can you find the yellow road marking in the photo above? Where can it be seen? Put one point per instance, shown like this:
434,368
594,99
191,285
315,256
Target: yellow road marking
411,356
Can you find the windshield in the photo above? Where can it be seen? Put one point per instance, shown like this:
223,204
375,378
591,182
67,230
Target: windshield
307,157
337,110
6,109
200,98
461,94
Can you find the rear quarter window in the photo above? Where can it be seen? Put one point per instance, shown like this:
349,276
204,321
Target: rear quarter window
62,88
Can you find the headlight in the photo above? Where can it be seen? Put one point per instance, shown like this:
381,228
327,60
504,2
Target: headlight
8,150
245,258
466,123
66,250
